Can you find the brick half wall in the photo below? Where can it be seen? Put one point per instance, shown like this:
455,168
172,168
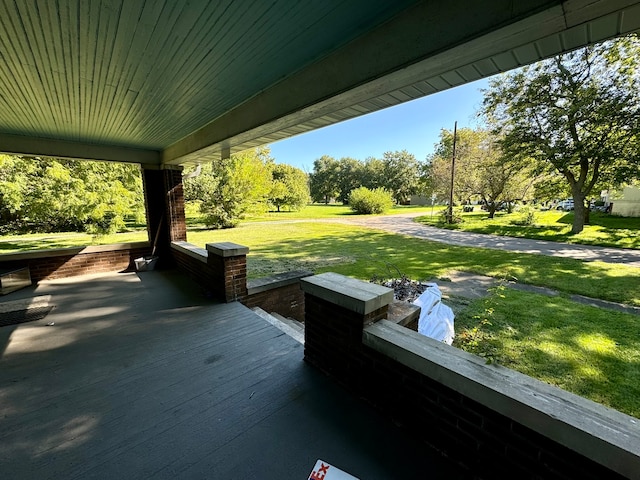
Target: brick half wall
70,262
224,276
280,293
493,421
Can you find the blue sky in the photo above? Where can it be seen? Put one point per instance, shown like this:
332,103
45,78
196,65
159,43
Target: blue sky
414,126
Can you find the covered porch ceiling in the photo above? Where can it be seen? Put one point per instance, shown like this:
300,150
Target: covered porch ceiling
159,82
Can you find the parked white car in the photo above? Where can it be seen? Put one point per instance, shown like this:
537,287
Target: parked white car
565,205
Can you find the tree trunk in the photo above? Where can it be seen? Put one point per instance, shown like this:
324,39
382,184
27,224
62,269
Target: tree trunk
492,209
587,215
578,212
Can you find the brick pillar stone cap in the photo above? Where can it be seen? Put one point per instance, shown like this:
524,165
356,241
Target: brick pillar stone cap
350,293
227,249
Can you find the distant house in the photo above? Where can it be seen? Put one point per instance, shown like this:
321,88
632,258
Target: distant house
420,200
629,204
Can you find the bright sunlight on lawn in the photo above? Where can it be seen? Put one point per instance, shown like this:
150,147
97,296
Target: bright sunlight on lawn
592,352
605,230
364,253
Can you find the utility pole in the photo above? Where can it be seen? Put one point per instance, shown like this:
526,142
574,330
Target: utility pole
453,169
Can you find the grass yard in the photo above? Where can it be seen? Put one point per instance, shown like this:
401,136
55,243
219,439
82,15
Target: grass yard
604,230
313,211
364,253
41,241
585,350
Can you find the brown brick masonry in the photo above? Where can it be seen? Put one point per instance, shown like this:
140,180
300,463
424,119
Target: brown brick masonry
225,277
279,293
69,262
483,430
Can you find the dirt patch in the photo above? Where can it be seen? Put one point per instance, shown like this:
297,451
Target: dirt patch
466,285
257,267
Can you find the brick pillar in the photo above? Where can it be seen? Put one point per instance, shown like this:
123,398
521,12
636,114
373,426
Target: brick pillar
336,310
228,263
174,204
164,204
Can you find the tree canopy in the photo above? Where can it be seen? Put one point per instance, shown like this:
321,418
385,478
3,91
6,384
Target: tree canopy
229,189
289,188
247,183
576,114
483,172
398,172
49,195
323,181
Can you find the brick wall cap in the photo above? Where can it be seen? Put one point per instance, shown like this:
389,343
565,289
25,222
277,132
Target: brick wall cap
350,293
63,252
403,312
227,249
607,436
191,250
278,280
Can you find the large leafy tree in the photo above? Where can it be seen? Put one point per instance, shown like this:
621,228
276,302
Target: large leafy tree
229,189
350,176
47,194
323,181
373,173
483,172
397,172
289,188
401,174
576,114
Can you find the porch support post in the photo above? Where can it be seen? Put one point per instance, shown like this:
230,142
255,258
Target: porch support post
164,205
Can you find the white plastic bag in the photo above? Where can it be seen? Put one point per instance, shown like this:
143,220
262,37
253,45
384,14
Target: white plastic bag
436,319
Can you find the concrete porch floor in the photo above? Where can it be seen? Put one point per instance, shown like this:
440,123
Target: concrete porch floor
142,377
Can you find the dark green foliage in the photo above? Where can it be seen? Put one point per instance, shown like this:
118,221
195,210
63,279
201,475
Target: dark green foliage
398,172
323,181
229,189
289,187
576,115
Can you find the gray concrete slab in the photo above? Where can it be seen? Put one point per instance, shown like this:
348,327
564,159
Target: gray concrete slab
142,377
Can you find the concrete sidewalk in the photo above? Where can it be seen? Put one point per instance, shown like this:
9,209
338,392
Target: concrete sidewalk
404,224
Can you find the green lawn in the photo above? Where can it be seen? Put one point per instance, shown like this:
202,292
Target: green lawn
591,352
585,350
364,253
314,211
605,230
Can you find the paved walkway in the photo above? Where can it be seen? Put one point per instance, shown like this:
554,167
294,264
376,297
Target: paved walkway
404,224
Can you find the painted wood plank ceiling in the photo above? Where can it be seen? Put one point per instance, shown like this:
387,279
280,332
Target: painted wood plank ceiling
145,73
174,82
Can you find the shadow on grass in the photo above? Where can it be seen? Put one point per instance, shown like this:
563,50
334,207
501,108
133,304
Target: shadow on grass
67,240
591,352
36,244
370,253
607,230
